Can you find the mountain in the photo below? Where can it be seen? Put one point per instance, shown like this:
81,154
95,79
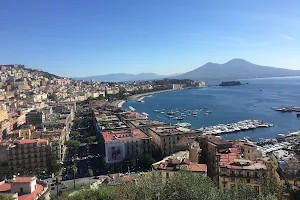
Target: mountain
236,69
122,77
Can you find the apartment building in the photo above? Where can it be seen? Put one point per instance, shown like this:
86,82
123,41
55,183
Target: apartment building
35,117
125,143
27,155
234,171
166,137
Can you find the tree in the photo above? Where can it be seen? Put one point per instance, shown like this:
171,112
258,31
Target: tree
90,173
6,197
146,162
75,133
91,139
76,121
74,169
72,144
52,165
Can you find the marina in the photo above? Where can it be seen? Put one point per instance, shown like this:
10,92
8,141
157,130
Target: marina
229,105
235,127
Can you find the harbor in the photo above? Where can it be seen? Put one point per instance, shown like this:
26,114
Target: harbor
235,127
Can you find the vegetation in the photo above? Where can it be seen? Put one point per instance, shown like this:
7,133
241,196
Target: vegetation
5,197
91,139
75,133
52,165
184,185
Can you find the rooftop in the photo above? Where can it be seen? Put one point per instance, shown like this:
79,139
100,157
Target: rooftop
231,159
172,130
124,134
24,179
35,141
34,195
146,122
5,187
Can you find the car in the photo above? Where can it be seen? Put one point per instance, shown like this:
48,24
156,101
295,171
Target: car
96,177
53,188
52,184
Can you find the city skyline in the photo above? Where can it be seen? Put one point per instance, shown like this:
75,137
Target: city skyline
167,37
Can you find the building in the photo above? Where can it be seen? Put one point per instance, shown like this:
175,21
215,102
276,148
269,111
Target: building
176,86
125,143
234,171
178,162
3,115
27,156
35,117
210,145
289,175
144,124
23,188
165,138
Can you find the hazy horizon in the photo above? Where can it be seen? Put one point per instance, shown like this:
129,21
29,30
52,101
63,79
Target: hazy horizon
163,37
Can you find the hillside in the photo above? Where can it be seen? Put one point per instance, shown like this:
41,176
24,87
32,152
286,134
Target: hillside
236,69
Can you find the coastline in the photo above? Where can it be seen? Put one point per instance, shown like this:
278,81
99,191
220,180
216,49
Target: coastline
141,96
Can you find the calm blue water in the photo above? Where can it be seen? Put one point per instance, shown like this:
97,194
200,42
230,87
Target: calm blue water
232,104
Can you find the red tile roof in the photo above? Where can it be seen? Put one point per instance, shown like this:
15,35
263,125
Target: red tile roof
127,179
197,167
26,141
24,179
33,195
5,187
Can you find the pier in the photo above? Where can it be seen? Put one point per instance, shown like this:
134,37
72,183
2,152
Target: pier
235,127
287,109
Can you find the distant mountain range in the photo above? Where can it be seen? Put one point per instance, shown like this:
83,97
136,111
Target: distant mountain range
232,70
235,69
122,77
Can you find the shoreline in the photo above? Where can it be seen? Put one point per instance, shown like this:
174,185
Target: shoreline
120,104
143,95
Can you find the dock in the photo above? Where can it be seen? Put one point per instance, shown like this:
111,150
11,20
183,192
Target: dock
235,127
286,109
131,108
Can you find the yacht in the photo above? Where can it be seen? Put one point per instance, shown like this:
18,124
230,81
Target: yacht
184,124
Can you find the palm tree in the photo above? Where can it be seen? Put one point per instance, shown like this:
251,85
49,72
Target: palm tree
90,173
74,169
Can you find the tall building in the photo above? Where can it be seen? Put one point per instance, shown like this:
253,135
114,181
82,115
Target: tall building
27,155
125,143
165,138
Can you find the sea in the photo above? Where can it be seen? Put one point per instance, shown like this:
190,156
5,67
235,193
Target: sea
232,104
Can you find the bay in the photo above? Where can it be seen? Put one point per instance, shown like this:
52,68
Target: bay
232,104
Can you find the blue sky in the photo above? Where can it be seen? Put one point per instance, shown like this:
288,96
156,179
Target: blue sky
82,38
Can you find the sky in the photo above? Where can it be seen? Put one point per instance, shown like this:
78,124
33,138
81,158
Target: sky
78,38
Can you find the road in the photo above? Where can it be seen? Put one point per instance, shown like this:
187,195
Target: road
70,184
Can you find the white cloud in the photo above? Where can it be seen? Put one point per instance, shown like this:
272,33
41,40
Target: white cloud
287,37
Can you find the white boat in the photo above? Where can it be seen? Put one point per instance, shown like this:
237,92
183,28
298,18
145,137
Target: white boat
183,124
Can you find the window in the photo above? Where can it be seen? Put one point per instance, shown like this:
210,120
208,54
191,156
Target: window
232,186
248,174
256,174
232,173
240,173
